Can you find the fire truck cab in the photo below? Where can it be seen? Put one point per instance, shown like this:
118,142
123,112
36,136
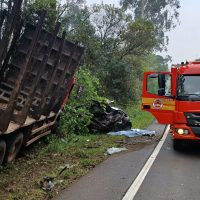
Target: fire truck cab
174,98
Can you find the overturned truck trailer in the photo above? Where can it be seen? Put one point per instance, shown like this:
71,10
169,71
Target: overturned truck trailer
36,75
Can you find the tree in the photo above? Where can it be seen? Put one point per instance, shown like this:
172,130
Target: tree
111,37
162,13
109,23
156,63
33,7
115,43
138,39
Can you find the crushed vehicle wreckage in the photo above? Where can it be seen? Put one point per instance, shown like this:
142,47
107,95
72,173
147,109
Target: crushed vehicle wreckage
106,118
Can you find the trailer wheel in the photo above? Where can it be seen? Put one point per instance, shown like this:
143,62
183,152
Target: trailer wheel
14,144
2,150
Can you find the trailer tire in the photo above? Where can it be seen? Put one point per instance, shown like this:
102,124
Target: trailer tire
2,151
14,144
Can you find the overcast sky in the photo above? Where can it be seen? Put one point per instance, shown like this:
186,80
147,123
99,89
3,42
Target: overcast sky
184,40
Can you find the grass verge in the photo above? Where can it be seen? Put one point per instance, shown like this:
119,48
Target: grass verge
139,118
65,160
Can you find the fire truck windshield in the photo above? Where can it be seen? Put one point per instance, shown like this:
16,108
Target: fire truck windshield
188,87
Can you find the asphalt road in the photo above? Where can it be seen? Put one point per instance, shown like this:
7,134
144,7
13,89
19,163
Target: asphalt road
109,180
174,175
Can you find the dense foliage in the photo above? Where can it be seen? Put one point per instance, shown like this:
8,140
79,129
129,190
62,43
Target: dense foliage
76,116
120,43
162,13
117,40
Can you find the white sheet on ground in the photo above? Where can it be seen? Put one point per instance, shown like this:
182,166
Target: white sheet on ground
134,132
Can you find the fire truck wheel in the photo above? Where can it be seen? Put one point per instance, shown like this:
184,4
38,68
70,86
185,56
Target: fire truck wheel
178,145
14,144
2,150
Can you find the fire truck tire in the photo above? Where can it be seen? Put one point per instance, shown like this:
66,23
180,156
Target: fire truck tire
178,145
2,151
14,144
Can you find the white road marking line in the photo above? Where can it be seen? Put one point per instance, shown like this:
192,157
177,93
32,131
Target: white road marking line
141,176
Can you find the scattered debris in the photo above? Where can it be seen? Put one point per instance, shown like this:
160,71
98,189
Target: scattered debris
113,150
107,118
47,184
134,132
121,141
67,166
97,144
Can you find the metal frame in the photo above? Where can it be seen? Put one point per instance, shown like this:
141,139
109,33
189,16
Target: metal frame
36,73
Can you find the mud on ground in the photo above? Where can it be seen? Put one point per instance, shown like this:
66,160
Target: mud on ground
138,142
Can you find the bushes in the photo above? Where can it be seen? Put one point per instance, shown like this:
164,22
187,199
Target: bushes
76,117
75,120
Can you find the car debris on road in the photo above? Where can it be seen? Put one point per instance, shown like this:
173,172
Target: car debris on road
113,150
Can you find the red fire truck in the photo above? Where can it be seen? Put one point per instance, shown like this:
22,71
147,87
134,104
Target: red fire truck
174,98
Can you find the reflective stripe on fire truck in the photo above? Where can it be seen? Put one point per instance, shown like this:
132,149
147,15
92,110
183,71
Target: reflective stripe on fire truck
159,104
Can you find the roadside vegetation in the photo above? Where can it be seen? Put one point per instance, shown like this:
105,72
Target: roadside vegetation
121,42
75,155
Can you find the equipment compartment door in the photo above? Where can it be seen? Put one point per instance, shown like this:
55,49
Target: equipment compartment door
157,97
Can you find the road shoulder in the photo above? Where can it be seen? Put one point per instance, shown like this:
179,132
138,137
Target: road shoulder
111,179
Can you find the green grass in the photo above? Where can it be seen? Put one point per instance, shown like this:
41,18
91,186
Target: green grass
21,180
139,118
